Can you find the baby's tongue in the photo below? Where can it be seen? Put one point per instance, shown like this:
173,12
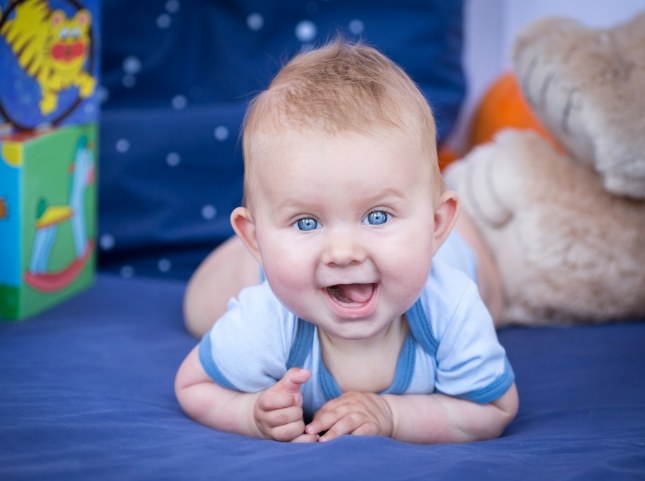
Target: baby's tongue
353,292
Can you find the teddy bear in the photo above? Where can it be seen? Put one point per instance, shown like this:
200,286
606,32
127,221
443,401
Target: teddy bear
563,214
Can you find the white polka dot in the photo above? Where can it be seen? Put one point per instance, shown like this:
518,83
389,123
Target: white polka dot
221,133
127,271
122,146
172,6
356,26
129,81
164,21
131,65
173,159
306,31
178,102
89,108
164,265
103,94
107,242
209,212
255,21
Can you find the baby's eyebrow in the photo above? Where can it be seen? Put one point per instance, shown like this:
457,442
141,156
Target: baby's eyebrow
295,206
388,194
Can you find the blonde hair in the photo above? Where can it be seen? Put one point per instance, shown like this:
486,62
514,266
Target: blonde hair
340,87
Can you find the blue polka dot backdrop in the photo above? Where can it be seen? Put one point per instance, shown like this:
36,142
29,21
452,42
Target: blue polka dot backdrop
177,77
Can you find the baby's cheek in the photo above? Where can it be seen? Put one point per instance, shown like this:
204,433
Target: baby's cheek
411,277
287,279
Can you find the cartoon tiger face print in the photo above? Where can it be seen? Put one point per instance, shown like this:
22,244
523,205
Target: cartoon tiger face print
52,48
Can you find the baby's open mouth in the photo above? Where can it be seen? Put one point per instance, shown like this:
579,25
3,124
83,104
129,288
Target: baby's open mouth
352,293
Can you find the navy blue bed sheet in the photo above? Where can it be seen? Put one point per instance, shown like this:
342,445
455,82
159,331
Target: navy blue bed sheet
87,394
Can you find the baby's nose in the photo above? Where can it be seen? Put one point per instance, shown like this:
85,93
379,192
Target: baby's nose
343,248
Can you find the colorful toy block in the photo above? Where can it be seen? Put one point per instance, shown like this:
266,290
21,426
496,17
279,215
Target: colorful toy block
48,203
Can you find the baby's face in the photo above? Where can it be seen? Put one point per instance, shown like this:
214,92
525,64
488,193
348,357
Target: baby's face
345,227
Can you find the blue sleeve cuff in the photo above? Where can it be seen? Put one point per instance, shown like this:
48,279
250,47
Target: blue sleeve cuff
495,390
208,363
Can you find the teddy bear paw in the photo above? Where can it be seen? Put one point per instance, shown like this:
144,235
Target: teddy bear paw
586,86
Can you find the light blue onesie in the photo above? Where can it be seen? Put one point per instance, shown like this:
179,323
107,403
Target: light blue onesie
451,346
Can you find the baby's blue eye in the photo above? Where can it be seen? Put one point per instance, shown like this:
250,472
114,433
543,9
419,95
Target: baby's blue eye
378,217
307,224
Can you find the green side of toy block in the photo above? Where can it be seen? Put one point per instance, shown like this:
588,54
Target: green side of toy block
55,204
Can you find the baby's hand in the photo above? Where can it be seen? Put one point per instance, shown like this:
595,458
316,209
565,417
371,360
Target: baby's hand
278,410
353,413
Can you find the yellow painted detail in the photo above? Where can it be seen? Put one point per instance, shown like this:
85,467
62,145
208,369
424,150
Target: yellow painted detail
12,154
54,214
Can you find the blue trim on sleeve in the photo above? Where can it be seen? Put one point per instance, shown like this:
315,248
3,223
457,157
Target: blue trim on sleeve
495,390
208,363
301,344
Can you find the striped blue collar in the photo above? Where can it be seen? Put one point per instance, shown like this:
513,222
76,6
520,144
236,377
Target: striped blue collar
419,333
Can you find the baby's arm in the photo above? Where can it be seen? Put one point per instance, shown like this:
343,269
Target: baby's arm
438,418
275,413
418,418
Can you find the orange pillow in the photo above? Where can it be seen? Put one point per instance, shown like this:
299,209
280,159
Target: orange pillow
502,106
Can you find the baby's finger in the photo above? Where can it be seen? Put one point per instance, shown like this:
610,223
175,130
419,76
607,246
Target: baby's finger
271,401
306,438
321,423
282,417
329,417
293,380
346,425
287,432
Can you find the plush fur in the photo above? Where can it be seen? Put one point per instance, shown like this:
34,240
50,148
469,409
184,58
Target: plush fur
588,88
567,229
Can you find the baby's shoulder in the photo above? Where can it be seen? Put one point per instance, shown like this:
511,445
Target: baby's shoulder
259,307
258,298
447,286
451,297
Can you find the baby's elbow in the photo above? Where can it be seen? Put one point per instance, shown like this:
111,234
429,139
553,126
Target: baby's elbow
507,408
191,399
496,417
183,391
187,383
488,421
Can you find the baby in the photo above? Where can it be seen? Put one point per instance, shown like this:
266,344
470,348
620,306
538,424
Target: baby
363,324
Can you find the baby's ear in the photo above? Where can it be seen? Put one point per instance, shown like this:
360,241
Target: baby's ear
244,227
445,217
